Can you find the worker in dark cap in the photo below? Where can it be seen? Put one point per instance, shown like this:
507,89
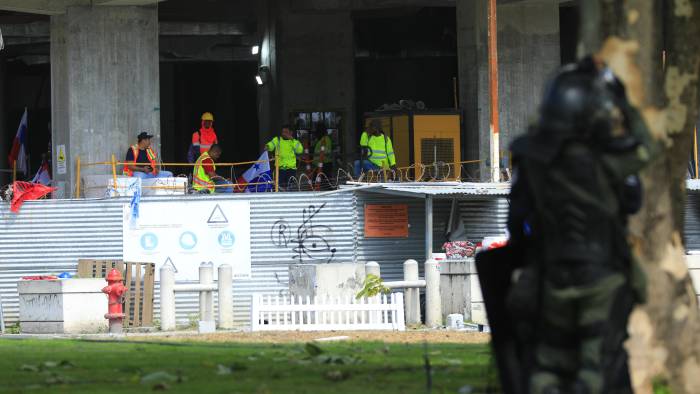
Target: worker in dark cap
144,160
376,150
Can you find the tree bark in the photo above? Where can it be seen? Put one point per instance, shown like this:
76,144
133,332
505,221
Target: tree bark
654,47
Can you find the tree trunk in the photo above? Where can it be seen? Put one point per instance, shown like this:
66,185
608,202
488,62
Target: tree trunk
654,47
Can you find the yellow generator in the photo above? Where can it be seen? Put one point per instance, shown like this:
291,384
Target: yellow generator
428,139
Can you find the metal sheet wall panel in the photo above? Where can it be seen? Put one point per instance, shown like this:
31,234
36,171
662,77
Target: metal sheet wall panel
390,253
49,236
484,216
692,221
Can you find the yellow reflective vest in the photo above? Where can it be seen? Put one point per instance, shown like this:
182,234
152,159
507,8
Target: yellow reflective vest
287,151
381,150
327,145
200,178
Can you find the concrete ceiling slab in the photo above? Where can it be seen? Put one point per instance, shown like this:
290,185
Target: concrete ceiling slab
56,7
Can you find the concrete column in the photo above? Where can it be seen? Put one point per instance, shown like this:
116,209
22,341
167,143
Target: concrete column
433,302
104,84
206,298
412,296
5,138
225,283
316,66
373,268
167,298
528,46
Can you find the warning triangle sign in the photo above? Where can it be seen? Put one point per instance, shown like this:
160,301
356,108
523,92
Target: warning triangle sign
170,261
217,216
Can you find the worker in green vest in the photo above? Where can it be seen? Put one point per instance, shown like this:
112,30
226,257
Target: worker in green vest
378,148
286,149
323,152
204,177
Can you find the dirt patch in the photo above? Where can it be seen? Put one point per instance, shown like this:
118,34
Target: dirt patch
414,336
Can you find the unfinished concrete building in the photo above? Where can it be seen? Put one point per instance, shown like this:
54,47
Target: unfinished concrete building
94,73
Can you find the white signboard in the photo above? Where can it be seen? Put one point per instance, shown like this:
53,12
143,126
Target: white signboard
61,159
188,233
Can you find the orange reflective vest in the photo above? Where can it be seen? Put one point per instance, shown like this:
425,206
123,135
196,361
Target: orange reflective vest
151,158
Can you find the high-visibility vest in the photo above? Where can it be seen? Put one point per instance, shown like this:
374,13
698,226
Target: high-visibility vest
287,151
327,145
204,140
151,158
381,150
200,178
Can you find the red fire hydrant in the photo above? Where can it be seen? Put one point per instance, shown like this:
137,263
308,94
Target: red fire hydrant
115,289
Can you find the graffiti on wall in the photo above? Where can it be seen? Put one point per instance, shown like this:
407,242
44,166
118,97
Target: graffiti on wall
309,241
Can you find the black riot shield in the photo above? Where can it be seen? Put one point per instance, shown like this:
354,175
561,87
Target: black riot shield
495,268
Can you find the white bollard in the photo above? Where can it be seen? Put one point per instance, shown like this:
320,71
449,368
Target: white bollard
167,298
372,267
225,297
412,298
206,299
433,306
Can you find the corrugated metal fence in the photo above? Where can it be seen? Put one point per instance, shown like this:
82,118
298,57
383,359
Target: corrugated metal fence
49,236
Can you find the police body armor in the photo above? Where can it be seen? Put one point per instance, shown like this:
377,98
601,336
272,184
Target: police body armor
575,183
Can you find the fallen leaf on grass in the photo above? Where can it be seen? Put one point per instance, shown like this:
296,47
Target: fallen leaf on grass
29,368
158,377
336,375
223,370
312,349
335,359
160,387
467,389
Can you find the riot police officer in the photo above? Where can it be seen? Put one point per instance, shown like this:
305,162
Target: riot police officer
575,182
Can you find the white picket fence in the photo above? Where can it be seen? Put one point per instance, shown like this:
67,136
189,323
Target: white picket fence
275,313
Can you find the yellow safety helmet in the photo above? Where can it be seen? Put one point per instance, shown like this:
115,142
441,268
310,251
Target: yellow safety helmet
208,116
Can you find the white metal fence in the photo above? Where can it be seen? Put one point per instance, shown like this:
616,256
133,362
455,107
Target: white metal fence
275,313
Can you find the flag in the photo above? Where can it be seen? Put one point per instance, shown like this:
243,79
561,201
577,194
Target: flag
258,173
19,146
43,176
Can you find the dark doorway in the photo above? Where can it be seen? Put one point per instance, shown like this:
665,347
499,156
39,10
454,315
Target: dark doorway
226,89
26,86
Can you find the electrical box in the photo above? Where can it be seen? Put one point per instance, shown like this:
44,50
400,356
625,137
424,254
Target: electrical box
429,139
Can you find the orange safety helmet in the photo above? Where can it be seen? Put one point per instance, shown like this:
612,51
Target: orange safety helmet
114,275
208,116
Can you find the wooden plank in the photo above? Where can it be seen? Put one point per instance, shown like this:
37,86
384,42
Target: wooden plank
137,294
85,268
127,299
148,282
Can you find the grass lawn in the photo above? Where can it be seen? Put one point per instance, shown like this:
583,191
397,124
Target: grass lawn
72,366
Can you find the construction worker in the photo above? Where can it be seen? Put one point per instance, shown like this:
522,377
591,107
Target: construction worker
144,160
204,176
286,150
323,147
204,138
380,152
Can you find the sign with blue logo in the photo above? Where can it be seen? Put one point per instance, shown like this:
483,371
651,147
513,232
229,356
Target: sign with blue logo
186,233
188,240
226,239
149,241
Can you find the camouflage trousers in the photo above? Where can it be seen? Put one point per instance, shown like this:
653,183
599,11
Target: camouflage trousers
582,331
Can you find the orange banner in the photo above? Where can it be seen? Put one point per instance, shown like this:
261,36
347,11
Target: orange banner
386,221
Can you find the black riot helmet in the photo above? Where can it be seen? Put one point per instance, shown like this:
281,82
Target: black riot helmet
586,102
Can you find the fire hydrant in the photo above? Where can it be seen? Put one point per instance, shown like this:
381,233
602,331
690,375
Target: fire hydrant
115,289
